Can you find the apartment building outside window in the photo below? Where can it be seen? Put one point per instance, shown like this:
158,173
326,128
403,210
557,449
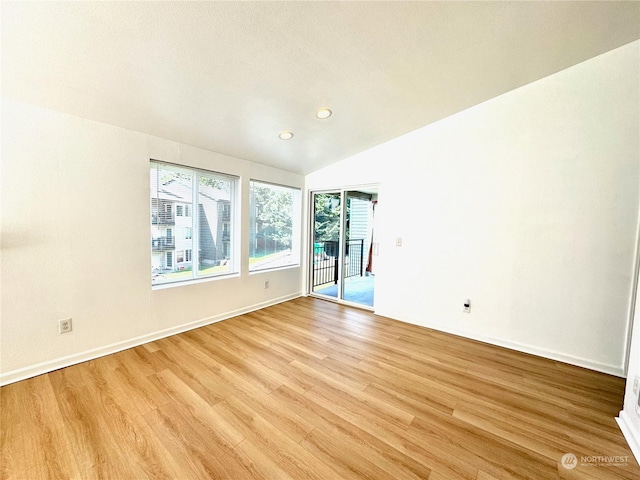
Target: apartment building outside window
192,222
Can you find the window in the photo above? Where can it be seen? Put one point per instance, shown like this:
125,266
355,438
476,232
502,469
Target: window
210,252
274,237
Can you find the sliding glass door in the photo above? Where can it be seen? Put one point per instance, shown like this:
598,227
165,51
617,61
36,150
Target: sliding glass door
342,234
358,283
327,213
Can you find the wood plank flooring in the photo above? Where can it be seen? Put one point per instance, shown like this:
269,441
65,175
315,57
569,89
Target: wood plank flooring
310,389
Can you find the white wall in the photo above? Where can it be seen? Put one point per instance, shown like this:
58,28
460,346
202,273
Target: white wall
76,242
527,204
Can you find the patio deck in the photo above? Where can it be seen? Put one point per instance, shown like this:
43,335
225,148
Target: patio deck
356,289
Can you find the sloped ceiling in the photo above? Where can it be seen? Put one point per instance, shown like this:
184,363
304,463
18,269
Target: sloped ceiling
228,76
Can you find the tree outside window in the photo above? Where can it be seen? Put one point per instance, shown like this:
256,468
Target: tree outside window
274,226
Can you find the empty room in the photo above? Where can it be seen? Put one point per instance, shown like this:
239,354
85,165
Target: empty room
320,240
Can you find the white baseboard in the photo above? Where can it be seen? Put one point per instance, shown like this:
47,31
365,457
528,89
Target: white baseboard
616,370
50,365
631,435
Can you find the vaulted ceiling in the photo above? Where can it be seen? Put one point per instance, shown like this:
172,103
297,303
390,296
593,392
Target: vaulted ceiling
228,76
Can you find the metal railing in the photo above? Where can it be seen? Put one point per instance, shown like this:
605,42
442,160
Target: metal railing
163,243
326,257
355,258
163,219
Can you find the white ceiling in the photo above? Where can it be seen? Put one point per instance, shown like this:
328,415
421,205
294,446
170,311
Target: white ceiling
228,76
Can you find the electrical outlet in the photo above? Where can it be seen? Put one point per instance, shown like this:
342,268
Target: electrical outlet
266,284
64,325
466,306
636,384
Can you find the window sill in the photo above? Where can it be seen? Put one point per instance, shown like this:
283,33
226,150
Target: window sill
274,269
193,281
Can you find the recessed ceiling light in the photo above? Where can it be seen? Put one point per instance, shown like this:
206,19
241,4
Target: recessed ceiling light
285,135
323,113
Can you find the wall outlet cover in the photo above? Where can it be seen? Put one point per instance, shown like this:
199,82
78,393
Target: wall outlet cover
64,325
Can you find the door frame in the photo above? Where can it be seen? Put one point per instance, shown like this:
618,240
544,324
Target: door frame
311,249
343,191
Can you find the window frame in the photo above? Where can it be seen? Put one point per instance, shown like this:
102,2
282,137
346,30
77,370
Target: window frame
159,275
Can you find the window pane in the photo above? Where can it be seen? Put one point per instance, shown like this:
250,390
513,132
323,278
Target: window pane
215,230
274,226
171,189
178,254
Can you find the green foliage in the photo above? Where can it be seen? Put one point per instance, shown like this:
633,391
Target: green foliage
214,182
186,178
168,175
327,217
273,215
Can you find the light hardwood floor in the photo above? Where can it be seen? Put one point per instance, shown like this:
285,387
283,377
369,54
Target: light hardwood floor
313,390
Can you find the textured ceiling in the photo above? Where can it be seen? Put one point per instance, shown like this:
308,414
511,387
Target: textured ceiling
228,76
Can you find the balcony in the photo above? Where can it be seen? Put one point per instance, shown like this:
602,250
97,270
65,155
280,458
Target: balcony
163,243
163,218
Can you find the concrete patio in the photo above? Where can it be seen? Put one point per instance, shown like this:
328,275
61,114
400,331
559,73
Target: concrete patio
356,289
